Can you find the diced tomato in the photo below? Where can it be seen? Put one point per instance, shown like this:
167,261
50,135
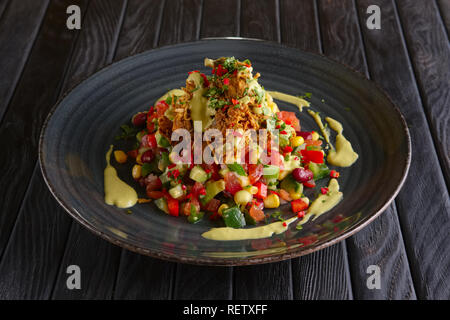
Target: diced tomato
284,195
255,172
289,117
256,213
213,169
310,184
186,207
155,194
316,143
298,205
262,190
197,188
161,107
232,183
173,205
212,206
150,121
153,183
149,141
312,156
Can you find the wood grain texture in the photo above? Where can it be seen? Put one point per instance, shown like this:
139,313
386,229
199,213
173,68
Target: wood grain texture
141,25
298,28
444,8
98,259
34,96
181,21
271,281
313,274
16,41
381,242
423,204
203,283
220,23
429,49
30,262
260,19
323,275
141,277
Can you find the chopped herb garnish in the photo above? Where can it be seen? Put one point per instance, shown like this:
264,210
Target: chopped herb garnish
236,167
127,132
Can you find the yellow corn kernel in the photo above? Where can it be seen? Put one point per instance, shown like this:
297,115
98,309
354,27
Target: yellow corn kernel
222,208
136,172
243,197
139,159
243,180
297,141
120,156
315,136
272,201
305,200
252,189
295,195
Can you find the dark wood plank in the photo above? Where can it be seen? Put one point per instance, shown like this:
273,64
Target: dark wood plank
260,19
141,26
381,244
423,203
98,259
263,282
35,94
298,28
223,22
323,275
142,277
429,49
203,283
444,8
200,282
314,273
342,41
30,263
181,21
17,40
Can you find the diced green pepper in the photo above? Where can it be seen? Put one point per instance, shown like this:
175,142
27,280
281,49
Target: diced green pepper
161,203
198,174
290,185
233,218
195,216
320,170
212,190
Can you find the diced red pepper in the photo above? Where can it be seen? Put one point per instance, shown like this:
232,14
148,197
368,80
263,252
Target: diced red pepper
287,149
262,190
312,156
324,190
298,205
334,174
205,80
226,81
174,206
310,184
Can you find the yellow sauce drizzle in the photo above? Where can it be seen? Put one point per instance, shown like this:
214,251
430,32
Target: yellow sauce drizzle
228,234
299,102
319,122
325,202
117,192
344,155
199,104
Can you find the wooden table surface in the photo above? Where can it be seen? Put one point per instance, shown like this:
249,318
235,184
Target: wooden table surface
40,59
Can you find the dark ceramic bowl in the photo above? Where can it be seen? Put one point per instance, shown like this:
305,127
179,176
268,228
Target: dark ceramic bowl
83,125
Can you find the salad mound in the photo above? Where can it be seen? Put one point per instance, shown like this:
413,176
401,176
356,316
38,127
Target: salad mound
236,192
